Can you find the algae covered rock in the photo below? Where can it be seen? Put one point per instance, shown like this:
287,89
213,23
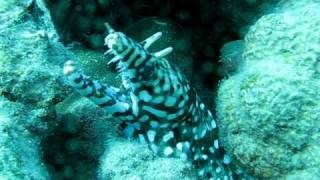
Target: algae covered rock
269,111
20,153
133,160
30,70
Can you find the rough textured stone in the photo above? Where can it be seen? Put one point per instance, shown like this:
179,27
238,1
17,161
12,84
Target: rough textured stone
131,160
269,111
20,155
30,60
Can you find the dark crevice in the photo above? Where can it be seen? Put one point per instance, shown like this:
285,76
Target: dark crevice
65,154
10,96
205,23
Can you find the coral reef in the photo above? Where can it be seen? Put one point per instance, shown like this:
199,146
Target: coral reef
269,110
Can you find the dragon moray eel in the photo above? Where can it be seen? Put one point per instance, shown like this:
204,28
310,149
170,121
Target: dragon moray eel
158,105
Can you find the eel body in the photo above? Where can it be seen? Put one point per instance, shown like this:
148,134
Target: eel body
158,106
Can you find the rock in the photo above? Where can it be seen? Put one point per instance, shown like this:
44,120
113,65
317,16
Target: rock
30,86
131,160
269,111
20,153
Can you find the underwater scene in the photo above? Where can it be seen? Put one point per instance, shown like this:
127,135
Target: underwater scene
159,89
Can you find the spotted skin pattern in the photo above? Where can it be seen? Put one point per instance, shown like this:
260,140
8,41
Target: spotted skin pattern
158,106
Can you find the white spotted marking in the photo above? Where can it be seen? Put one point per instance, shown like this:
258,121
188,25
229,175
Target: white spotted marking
168,151
179,146
226,159
156,112
142,139
145,96
187,145
117,107
170,101
135,107
195,137
204,157
184,131
218,169
154,148
193,149
190,108
154,124
203,133
168,136
151,135
100,100
184,156
130,118
129,130
201,172
194,130
202,106
157,89
164,125
182,103
213,124
137,125
174,125
216,144
144,118
166,85
158,99
196,157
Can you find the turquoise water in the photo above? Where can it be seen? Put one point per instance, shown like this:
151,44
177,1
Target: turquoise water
182,89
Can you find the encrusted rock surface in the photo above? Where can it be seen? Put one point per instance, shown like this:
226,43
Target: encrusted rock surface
133,160
30,86
269,111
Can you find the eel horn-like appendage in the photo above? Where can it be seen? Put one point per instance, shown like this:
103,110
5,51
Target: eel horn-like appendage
150,40
163,52
109,28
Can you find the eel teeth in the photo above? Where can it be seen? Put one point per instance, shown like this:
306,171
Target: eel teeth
107,53
114,60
